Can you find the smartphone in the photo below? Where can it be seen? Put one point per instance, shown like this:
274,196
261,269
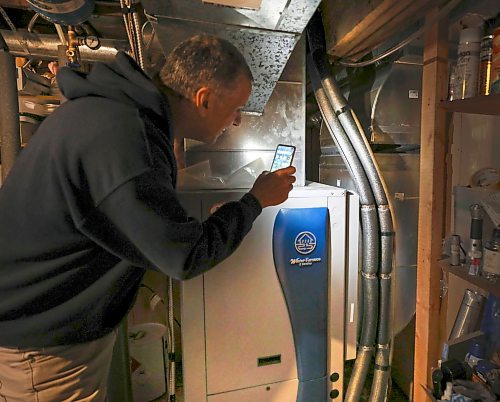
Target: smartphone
283,157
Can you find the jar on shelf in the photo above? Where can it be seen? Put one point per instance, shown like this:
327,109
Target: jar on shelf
491,256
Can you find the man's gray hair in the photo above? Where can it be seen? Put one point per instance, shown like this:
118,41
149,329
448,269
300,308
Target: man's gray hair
203,60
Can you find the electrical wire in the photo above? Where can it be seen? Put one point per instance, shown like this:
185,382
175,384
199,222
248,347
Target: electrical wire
7,19
60,33
32,22
151,16
152,36
170,344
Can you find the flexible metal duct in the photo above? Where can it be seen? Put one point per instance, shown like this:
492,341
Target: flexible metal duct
9,118
25,44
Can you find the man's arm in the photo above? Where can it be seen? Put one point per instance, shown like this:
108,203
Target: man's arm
143,222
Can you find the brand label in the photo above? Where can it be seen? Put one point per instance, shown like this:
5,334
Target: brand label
305,242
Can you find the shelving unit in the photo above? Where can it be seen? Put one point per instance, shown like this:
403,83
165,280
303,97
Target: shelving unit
434,312
484,104
479,281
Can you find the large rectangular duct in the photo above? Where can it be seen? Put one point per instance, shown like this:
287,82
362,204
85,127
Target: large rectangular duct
266,37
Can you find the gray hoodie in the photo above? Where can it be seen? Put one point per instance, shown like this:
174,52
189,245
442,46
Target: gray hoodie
90,204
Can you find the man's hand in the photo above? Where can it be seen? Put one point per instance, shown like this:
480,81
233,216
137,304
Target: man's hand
272,188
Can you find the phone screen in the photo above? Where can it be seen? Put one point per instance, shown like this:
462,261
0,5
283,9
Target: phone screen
283,157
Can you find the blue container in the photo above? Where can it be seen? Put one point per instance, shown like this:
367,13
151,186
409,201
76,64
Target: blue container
490,323
64,12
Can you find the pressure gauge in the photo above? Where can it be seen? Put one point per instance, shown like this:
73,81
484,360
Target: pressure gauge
92,42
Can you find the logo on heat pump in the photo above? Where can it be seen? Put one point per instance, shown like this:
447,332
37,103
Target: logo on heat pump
305,243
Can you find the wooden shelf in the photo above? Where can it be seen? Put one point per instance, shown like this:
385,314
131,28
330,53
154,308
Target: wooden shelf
479,281
484,104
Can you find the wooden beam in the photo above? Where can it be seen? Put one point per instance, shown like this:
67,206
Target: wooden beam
431,219
22,4
400,23
348,25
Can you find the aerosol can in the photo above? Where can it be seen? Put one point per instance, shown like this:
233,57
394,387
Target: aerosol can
476,243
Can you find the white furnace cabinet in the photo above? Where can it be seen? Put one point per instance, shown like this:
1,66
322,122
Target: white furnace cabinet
276,320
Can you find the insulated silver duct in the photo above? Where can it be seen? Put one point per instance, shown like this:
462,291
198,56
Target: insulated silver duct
370,231
26,44
362,150
9,119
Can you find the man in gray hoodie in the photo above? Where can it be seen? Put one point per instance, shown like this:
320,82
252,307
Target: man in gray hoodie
91,204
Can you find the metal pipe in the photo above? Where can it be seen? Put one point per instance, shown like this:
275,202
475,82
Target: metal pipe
9,118
25,44
119,380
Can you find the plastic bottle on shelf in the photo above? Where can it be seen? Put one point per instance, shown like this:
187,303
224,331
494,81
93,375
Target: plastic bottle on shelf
466,81
452,84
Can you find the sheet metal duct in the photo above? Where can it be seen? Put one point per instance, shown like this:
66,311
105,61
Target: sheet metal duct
389,109
255,140
266,37
401,173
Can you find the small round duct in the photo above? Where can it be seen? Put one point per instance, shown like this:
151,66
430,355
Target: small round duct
64,12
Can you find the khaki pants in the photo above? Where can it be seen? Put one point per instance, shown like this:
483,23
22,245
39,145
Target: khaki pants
56,374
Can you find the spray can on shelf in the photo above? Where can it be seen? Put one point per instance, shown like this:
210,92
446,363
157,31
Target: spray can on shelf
476,239
469,315
485,58
495,62
468,63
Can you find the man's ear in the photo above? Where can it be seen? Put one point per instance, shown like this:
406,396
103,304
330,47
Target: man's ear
202,100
